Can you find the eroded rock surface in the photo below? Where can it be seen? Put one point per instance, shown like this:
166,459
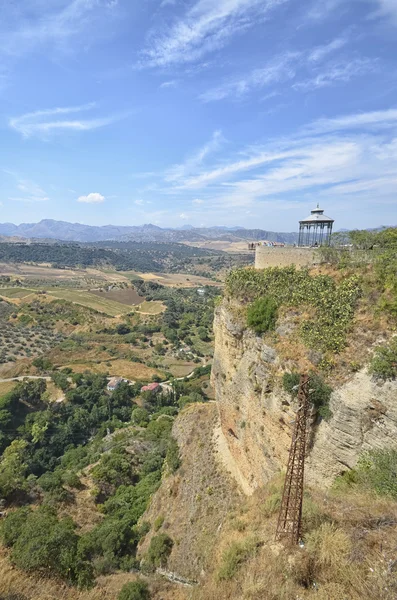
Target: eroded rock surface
256,415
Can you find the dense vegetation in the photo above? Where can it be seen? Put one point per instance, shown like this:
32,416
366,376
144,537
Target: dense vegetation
139,256
186,313
333,304
45,448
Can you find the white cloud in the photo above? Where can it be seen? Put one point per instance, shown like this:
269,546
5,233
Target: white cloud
348,159
321,52
139,202
183,216
93,198
279,69
207,26
168,84
290,66
43,123
31,192
180,171
342,72
197,201
27,24
386,8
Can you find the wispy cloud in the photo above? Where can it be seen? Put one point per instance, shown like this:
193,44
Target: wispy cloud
33,24
50,121
339,72
349,158
291,66
206,26
29,192
181,171
386,8
169,84
320,52
279,69
93,198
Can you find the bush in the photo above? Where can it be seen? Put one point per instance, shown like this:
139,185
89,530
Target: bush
262,315
159,550
173,458
384,362
377,470
44,543
320,392
136,590
334,304
234,557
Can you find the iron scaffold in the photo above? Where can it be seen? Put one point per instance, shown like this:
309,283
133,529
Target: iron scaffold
290,517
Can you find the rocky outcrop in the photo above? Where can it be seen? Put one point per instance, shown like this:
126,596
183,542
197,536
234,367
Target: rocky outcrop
256,415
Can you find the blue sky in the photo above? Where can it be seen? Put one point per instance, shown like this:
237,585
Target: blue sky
207,112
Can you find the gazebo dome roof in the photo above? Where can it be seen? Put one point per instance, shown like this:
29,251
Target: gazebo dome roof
317,216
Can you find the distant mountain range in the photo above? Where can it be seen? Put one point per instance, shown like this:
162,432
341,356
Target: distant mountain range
76,232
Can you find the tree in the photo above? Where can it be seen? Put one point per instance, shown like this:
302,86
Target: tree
136,590
13,468
202,333
159,550
30,391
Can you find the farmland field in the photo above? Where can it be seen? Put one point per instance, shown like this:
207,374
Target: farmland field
91,300
125,296
119,368
15,292
182,280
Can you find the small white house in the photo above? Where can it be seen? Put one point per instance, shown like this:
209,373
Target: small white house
114,383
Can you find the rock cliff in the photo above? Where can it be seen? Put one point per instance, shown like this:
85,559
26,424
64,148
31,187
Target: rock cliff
256,414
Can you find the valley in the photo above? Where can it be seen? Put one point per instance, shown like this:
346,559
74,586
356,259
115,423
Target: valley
146,419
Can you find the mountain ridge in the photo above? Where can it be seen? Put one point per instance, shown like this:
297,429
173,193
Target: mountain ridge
78,232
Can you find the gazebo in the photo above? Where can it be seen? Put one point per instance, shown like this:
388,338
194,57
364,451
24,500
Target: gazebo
316,229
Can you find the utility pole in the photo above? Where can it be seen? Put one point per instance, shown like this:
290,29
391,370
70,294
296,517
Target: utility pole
290,517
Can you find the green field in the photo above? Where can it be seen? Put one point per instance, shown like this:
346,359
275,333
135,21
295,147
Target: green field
106,306
15,292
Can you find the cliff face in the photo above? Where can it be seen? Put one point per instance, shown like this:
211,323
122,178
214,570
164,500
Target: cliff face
256,414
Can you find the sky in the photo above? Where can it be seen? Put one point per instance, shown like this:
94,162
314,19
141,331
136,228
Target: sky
202,112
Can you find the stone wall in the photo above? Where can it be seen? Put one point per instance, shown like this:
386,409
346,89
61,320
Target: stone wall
267,256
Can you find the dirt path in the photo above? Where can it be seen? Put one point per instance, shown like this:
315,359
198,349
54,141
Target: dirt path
22,377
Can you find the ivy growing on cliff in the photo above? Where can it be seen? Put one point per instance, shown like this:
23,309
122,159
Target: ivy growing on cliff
334,303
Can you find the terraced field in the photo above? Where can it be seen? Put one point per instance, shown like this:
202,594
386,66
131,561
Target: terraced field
104,305
15,292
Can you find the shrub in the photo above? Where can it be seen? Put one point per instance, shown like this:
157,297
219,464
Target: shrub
262,315
334,304
173,457
384,362
158,522
159,550
377,470
136,590
320,392
234,557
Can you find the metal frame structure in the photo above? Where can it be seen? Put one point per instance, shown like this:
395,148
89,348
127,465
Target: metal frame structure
290,517
315,230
